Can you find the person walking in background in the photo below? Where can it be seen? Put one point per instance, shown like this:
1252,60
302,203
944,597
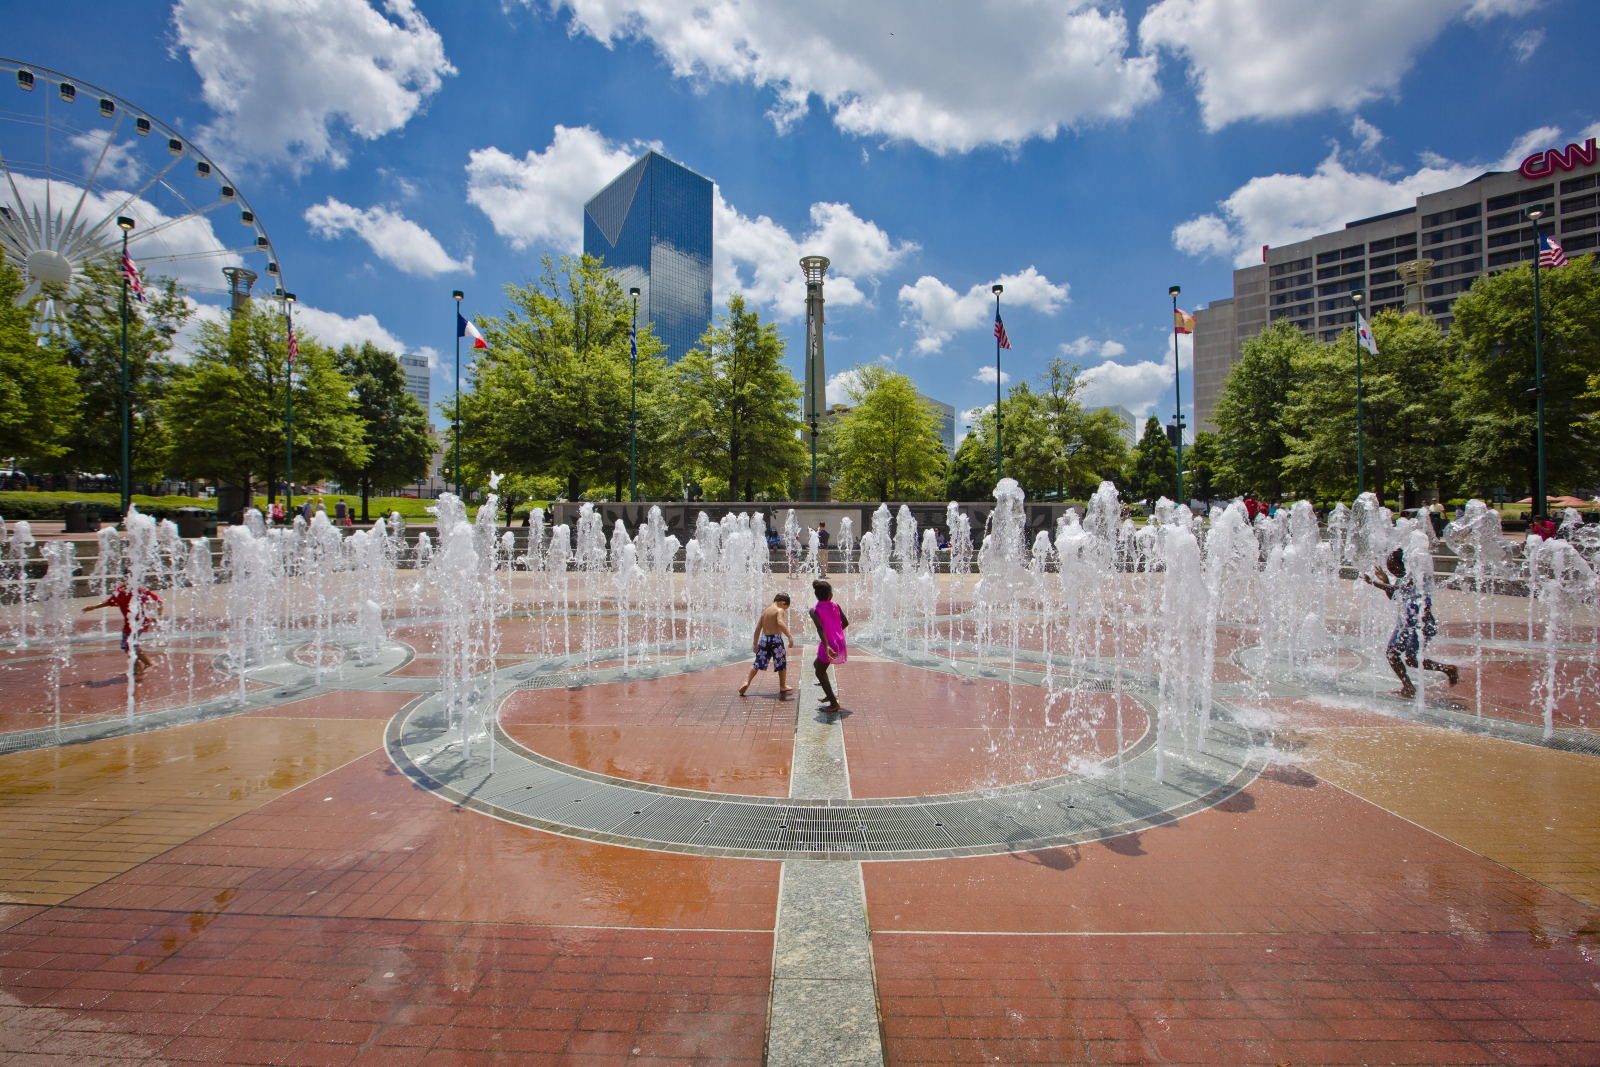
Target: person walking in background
831,623
771,630
340,513
822,549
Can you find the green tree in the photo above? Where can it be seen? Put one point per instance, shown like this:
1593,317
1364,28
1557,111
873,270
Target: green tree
735,407
887,447
971,475
1250,412
1493,333
1059,448
399,443
38,390
551,395
1407,394
227,411
90,342
1200,466
1155,465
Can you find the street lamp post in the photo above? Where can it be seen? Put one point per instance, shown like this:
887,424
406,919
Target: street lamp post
126,224
1356,297
1539,494
456,427
633,399
288,478
1177,384
999,449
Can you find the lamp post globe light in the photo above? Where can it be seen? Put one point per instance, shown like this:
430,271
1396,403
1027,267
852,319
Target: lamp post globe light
1536,213
1177,384
999,449
1356,296
125,224
455,464
633,400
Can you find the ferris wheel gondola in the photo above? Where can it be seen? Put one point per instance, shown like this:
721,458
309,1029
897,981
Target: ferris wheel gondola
75,158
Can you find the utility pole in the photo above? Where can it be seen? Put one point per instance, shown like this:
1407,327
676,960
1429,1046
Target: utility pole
126,224
1177,384
1356,297
1540,499
633,401
455,464
999,444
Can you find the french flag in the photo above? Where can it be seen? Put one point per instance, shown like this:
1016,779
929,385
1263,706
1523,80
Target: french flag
466,329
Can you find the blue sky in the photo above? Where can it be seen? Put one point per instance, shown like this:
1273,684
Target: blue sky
1089,155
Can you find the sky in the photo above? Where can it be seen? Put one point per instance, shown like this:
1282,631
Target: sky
1086,155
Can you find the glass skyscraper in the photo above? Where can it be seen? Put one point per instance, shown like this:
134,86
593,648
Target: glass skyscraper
652,225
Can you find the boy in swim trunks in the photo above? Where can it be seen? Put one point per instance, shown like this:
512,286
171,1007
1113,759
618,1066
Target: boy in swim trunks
771,629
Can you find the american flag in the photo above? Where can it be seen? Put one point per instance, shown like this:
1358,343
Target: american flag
294,346
1000,332
130,271
1550,253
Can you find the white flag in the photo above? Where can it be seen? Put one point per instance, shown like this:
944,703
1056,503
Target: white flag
1364,334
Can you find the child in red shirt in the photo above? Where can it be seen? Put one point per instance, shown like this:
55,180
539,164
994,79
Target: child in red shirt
122,599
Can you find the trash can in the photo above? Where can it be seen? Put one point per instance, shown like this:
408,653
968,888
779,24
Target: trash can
192,522
82,518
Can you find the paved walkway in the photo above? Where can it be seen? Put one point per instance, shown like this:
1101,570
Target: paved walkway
269,887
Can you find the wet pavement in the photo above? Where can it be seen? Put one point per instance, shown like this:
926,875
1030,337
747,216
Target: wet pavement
268,887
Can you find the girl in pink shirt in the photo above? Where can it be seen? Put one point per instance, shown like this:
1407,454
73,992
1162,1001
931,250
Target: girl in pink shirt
831,623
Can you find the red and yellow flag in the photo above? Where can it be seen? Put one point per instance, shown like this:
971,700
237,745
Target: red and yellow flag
1182,322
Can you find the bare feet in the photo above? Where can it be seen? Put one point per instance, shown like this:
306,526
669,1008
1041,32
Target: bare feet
786,689
743,687
1453,673
1407,693
832,708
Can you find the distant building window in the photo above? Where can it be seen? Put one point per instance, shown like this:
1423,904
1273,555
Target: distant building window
1577,243
1338,287
1288,268
1440,308
1515,255
1527,196
1500,222
1460,285
1384,276
1578,203
1387,293
1583,222
1471,211
1577,185
1452,251
1439,237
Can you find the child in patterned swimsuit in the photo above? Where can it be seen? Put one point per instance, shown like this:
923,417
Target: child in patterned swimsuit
771,629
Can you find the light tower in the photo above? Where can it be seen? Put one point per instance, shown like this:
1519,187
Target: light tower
239,283
816,370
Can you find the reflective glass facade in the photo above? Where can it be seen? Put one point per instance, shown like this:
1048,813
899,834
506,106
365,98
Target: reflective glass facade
652,225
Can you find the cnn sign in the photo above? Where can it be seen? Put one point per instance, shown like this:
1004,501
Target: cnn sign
1543,164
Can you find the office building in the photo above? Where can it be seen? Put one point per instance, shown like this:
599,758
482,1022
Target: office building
1451,238
652,226
417,381
947,422
1129,431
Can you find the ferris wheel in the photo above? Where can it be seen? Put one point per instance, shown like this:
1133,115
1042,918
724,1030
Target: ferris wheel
79,164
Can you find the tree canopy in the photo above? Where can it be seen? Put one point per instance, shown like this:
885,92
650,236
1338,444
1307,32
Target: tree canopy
551,395
735,407
227,412
887,446
1154,473
39,392
1251,410
399,442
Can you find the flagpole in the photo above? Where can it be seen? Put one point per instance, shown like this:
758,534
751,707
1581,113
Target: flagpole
1356,296
456,428
126,224
1177,384
1539,500
633,401
999,449
288,474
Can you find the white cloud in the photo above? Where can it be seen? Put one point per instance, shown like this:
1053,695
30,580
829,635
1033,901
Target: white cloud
986,376
762,259
1284,208
1525,44
941,312
392,236
1276,58
539,198
949,76
1083,346
1144,387
336,331
1366,133
290,81
839,386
